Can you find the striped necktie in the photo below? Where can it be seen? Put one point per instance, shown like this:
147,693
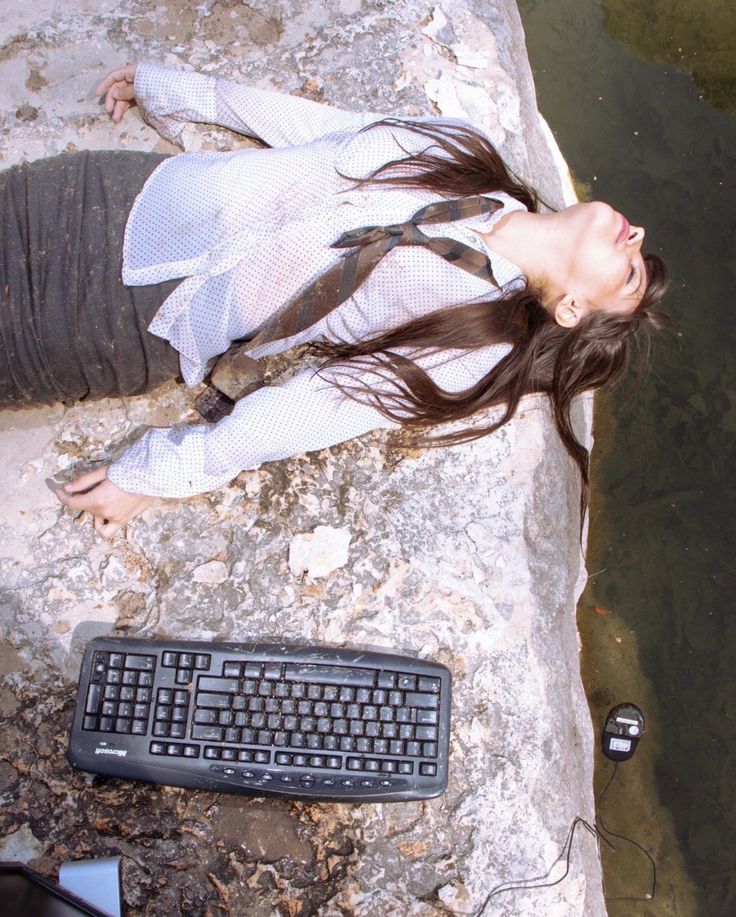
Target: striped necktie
236,374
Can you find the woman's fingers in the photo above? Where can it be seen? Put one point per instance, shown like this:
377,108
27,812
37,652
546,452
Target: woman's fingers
121,75
111,506
86,481
119,91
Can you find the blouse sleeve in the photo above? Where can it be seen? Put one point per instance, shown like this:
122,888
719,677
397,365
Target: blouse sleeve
168,99
305,414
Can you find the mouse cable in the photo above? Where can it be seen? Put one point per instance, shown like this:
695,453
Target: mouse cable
601,833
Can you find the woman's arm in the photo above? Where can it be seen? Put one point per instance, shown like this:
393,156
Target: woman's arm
168,99
305,414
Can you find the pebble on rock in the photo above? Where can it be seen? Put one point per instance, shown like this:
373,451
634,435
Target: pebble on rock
320,552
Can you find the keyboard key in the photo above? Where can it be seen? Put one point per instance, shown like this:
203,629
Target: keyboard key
272,705
396,747
138,728
426,769
127,693
224,685
179,715
298,740
354,764
299,761
232,670
427,716
389,730
272,671
429,749
161,729
329,743
283,758
186,660
380,746
347,743
282,689
205,717
363,696
379,697
414,749
330,693
220,701
162,713
183,676
371,764
316,761
178,730
191,751
252,670
347,695
174,751
334,761
143,695
321,709
280,739
388,767
314,741
229,754
157,748
415,699
94,696
250,686
122,725
106,724
111,692
407,682
265,737
169,660
265,688
314,692
426,733
232,735
208,733
387,680
363,745
425,683
406,731
396,698
144,663
89,722
258,720
406,767
125,710
201,662
212,753
114,677
245,755
145,679
372,729
262,757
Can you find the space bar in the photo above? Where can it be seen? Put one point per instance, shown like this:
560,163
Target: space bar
331,675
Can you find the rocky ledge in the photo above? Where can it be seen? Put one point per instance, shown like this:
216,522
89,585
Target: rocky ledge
467,555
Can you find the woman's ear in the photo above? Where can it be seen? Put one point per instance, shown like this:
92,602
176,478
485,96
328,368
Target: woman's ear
568,312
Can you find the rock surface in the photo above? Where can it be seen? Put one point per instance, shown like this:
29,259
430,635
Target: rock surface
467,555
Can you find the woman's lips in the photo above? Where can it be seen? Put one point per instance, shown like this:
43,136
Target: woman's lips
625,227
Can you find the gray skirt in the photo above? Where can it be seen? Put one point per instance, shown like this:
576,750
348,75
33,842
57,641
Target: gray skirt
69,328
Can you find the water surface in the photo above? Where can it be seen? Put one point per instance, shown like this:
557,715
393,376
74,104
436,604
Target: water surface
657,622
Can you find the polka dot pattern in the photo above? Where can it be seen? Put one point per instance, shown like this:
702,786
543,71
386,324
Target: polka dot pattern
247,231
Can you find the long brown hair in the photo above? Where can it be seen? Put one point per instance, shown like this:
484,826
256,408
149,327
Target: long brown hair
544,357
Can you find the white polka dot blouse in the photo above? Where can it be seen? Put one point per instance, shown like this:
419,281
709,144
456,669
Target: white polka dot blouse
247,231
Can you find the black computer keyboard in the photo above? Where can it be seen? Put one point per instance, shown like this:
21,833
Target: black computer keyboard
263,719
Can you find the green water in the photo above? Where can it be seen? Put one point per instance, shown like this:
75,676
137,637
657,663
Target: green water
657,623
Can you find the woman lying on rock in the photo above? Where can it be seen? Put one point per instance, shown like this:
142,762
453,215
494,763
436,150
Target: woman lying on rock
404,253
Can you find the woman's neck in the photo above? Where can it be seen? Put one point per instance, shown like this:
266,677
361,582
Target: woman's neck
526,240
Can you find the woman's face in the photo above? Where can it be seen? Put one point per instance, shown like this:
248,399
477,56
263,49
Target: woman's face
601,266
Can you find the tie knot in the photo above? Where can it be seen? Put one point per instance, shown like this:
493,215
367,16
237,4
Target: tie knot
367,234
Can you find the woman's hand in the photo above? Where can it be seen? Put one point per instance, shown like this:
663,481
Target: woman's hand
110,506
117,87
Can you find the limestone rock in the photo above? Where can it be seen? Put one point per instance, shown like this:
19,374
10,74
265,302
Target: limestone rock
469,555
214,572
320,552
